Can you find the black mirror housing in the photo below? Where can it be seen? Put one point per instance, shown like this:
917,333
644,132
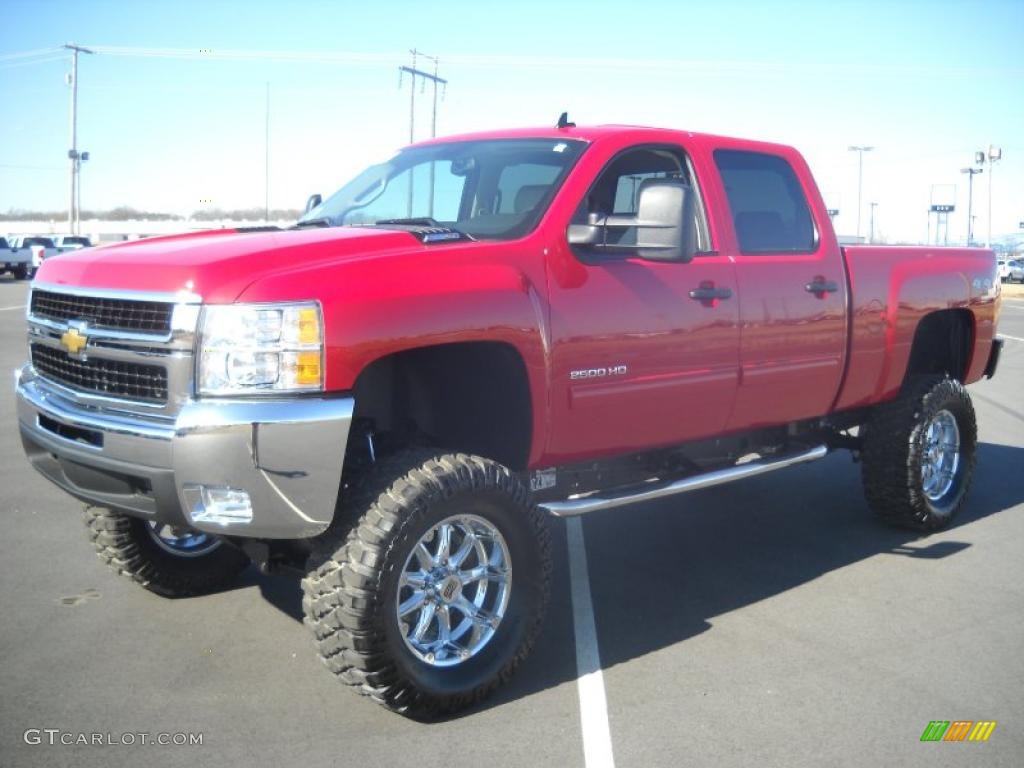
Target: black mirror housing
665,220
664,225
312,202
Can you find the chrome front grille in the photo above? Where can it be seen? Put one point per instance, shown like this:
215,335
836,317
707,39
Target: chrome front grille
115,350
100,312
110,378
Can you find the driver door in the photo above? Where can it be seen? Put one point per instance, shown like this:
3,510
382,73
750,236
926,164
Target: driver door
643,355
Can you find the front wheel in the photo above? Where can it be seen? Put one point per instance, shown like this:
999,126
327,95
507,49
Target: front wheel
919,453
170,561
437,593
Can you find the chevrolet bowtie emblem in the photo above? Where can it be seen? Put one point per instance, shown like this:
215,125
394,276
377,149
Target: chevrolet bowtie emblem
73,341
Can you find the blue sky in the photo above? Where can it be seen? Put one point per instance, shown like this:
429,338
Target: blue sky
926,83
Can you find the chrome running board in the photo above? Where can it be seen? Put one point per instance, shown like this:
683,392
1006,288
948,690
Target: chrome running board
572,507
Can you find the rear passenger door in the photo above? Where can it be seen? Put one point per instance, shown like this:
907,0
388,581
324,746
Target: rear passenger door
792,292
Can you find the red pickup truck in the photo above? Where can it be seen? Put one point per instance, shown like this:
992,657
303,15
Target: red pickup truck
394,394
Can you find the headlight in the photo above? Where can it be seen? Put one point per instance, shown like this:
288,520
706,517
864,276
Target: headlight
253,348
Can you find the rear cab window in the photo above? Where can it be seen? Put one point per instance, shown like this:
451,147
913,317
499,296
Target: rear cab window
769,209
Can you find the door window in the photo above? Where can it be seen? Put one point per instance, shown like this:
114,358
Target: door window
617,189
769,210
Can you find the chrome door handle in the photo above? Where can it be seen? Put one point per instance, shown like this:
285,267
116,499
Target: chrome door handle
710,293
820,286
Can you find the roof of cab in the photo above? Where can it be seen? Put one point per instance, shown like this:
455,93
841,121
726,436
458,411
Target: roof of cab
594,133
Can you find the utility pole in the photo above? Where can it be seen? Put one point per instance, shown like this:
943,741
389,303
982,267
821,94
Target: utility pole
873,206
424,76
73,152
860,150
971,173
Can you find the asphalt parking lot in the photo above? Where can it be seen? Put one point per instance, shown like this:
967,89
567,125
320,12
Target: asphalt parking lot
769,622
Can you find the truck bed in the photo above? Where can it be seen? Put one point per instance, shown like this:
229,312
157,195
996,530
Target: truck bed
891,289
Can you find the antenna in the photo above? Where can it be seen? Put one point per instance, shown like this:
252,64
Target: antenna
563,121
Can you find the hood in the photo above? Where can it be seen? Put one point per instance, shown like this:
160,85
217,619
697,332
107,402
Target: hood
216,265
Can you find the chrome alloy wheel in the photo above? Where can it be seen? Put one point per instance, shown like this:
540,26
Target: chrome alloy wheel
941,457
453,590
181,542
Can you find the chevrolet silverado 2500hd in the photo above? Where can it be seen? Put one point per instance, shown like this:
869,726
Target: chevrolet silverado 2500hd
394,394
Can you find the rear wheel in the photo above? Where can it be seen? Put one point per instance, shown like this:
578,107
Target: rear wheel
21,272
437,593
167,560
919,453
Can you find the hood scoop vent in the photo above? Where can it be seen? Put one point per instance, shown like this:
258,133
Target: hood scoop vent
427,231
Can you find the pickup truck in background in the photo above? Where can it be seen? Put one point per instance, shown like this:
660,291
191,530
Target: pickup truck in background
26,253
11,260
66,243
394,395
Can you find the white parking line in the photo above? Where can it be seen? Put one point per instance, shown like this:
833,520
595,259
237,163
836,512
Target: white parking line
1015,338
19,306
597,738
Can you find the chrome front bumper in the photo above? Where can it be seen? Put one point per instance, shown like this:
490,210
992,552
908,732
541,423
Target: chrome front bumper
287,454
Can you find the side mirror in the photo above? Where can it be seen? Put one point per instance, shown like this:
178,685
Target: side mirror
312,202
663,225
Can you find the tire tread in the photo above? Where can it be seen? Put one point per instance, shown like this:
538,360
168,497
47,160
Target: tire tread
340,592
890,470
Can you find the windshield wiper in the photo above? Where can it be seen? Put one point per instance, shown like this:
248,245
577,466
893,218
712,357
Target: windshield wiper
322,222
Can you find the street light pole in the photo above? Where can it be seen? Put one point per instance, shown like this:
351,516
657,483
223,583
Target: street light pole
994,153
73,152
971,173
82,157
860,150
266,159
873,206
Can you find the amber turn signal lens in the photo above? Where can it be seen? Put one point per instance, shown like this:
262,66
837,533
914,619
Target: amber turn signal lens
309,327
307,369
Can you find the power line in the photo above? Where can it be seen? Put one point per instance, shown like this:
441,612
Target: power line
28,54
44,60
326,57
32,167
500,61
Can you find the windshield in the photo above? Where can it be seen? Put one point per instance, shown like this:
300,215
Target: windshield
495,190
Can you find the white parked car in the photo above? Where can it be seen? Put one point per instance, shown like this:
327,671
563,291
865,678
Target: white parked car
1014,271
